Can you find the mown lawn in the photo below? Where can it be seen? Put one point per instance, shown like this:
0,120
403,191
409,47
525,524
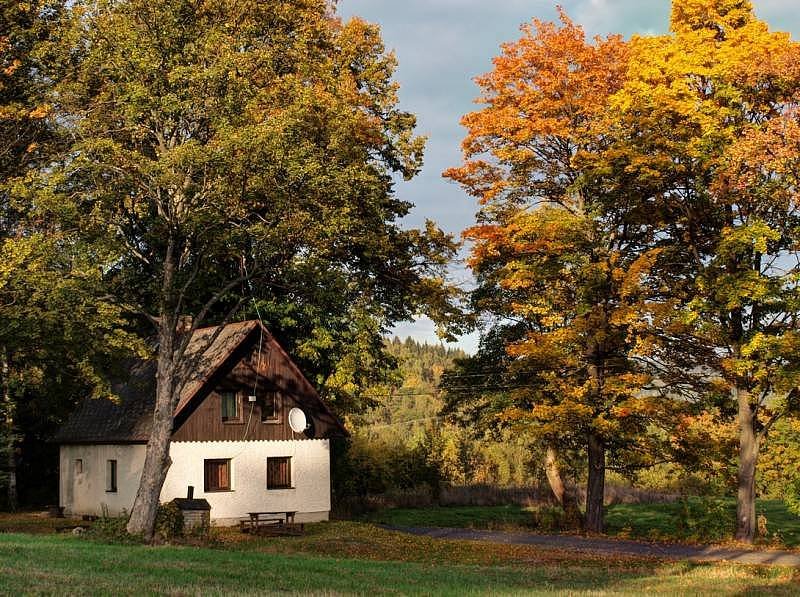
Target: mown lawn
644,521
475,517
654,521
353,558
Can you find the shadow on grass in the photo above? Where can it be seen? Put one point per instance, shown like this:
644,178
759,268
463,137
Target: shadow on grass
35,523
475,517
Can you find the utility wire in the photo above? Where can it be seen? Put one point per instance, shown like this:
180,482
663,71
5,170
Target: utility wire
368,427
258,356
400,394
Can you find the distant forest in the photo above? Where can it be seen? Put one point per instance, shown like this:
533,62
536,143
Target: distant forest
405,440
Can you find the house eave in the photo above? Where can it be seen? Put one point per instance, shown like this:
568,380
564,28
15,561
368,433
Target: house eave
104,442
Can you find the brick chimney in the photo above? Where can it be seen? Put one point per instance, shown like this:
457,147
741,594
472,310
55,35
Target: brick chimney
184,324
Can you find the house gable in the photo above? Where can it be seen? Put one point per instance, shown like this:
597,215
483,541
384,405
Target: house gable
231,362
258,367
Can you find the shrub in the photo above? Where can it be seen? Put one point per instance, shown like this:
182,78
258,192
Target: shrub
549,518
112,529
169,522
169,526
792,497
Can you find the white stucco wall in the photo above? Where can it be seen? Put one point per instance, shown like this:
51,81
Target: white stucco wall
85,493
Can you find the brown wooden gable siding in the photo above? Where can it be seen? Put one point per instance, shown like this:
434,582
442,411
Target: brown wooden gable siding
202,420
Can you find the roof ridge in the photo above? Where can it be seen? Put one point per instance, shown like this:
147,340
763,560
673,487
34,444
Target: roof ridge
229,324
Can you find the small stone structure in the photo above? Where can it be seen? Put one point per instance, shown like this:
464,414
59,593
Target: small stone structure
196,512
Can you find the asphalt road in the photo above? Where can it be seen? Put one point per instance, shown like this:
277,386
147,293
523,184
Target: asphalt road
666,551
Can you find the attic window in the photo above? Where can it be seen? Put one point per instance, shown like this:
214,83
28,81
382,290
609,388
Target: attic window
269,407
230,407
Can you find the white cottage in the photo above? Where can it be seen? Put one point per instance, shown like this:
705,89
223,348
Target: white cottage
232,440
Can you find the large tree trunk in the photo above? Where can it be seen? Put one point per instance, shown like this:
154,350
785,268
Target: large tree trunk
748,458
9,434
595,488
157,460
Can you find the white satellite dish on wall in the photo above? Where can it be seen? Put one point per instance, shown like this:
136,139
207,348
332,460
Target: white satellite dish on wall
297,420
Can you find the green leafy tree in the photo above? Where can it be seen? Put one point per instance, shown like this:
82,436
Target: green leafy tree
481,391
230,150
56,335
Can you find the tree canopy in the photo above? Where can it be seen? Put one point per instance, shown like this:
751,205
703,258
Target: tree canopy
630,221
225,154
558,251
692,121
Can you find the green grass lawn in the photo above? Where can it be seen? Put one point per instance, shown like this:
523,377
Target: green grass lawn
355,558
477,517
660,521
644,521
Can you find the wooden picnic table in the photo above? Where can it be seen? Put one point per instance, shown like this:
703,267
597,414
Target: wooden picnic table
281,520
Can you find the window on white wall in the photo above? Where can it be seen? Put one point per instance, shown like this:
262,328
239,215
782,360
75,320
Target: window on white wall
111,476
279,473
78,466
217,473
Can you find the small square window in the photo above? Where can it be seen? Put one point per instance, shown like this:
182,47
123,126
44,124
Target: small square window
217,474
78,466
230,407
279,473
111,476
269,407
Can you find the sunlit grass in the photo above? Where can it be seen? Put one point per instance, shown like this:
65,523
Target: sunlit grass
355,558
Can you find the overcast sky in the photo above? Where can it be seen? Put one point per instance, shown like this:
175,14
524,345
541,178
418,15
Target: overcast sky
442,45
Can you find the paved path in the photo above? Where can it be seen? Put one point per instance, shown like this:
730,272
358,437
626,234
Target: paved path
695,553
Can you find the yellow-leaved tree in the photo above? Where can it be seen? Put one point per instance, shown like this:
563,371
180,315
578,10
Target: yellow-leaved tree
703,124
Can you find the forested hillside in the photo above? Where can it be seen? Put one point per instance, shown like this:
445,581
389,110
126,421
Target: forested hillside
405,442
404,411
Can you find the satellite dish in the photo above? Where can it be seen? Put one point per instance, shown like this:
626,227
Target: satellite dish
297,420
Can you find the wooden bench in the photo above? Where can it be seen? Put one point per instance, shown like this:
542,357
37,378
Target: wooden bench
271,522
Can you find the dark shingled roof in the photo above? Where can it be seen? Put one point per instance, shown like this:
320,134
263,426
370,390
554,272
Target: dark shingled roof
207,359
123,421
129,419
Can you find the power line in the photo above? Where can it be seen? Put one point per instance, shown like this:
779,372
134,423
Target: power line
400,393
369,427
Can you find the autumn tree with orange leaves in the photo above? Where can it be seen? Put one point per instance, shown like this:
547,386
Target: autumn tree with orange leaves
640,214
561,253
